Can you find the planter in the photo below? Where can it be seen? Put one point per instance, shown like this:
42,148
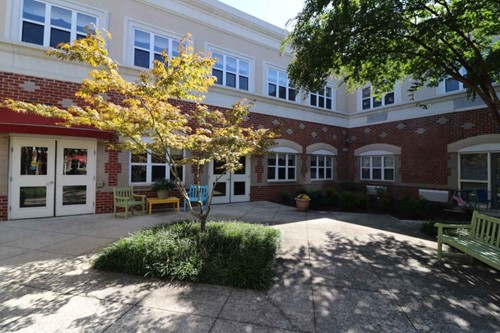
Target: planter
302,204
162,194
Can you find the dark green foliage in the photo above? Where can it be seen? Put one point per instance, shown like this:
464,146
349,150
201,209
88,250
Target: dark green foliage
413,207
387,203
319,198
352,187
352,200
229,253
284,196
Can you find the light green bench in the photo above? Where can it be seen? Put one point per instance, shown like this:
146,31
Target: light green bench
481,241
124,197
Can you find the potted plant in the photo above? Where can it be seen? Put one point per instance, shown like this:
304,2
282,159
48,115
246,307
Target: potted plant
302,201
162,187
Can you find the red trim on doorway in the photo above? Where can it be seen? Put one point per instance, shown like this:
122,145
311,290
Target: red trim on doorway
15,122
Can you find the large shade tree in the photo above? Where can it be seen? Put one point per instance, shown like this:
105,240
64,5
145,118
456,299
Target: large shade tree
146,118
384,41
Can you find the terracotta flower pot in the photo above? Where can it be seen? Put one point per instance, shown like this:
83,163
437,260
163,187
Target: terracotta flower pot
302,204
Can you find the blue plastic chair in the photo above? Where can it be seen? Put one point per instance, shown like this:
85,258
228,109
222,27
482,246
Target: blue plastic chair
482,198
193,195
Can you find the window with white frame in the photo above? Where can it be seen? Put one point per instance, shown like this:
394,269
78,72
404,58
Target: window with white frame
377,167
46,24
474,171
322,99
370,101
450,85
279,86
146,168
321,167
150,46
231,71
281,166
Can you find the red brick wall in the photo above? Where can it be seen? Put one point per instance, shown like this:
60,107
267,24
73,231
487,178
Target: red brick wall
424,158
3,207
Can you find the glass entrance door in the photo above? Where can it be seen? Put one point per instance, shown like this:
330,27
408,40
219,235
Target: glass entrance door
75,177
51,177
32,180
231,186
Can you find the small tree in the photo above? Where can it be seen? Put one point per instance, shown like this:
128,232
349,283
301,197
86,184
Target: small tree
383,41
145,110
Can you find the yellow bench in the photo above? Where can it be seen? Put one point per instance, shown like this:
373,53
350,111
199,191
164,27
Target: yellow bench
157,201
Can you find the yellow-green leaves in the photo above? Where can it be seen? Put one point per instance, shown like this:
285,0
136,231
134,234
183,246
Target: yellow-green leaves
150,107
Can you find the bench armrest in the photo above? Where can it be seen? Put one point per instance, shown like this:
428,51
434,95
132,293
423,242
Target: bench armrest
446,225
142,196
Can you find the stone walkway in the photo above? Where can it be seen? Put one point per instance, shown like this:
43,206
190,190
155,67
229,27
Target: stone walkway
337,272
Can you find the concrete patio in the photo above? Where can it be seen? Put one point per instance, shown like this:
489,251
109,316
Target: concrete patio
337,272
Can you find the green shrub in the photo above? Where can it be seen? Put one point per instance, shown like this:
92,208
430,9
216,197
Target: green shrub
413,207
319,199
387,203
352,187
352,200
230,253
284,196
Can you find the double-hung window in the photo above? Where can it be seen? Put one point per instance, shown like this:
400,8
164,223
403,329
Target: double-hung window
231,71
279,86
370,101
49,25
149,46
321,167
322,99
146,168
451,84
281,167
377,167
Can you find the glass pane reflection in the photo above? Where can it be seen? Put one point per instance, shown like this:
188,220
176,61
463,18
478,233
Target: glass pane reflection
74,195
33,197
34,160
75,161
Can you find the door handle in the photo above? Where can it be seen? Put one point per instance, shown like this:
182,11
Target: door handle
50,183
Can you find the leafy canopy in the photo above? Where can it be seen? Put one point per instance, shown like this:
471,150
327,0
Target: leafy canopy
384,41
144,108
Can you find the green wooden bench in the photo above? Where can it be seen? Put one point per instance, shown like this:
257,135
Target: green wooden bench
125,197
481,241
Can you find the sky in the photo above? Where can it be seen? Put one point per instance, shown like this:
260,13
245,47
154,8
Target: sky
277,12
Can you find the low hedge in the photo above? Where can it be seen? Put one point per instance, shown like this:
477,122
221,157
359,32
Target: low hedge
229,253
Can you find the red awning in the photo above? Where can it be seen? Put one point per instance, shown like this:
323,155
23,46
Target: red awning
15,122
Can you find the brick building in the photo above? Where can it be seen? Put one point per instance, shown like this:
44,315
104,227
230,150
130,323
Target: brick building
326,137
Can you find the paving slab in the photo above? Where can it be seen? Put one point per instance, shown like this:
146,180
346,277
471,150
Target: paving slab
142,319
9,251
225,326
199,299
70,314
280,307
19,301
61,275
445,313
14,262
79,245
354,310
39,240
